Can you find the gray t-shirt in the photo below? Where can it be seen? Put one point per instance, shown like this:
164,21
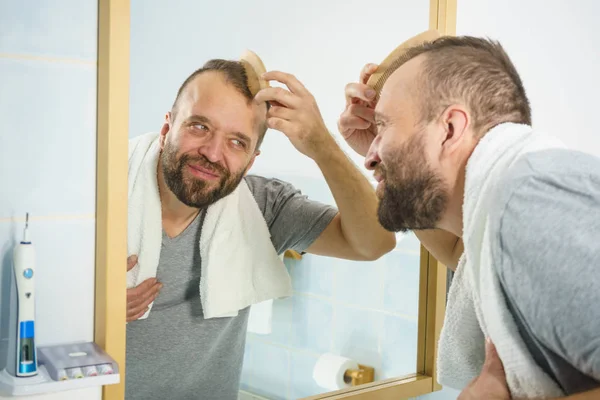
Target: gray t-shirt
175,353
547,255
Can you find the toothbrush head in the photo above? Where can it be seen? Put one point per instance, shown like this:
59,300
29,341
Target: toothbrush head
26,230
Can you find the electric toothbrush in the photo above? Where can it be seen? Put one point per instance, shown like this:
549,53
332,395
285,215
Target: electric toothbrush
24,263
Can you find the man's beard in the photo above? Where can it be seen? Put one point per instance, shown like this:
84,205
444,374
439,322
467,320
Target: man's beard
414,197
191,191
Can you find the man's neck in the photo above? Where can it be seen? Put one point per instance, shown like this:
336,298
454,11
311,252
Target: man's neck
176,216
453,218
453,221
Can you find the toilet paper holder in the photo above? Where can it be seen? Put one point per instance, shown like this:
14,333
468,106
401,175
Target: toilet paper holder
360,376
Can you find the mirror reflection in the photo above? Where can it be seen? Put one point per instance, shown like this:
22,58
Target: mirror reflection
258,267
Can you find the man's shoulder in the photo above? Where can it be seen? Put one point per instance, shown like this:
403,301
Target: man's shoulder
546,179
259,185
543,216
267,191
544,248
542,212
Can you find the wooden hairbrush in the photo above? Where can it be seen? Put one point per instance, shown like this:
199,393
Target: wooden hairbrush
397,58
254,69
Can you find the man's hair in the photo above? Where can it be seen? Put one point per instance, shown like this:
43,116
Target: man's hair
235,74
474,71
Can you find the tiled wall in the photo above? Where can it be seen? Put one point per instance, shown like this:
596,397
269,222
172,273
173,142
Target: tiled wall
48,162
366,311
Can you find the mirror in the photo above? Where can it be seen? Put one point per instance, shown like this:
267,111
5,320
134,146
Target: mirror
367,312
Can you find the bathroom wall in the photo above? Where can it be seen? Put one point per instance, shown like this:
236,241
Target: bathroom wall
554,46
48,163
366,311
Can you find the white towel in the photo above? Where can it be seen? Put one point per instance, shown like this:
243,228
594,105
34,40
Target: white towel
260,320
240,266
476,306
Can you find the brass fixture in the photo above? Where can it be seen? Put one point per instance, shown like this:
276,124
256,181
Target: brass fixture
293,254
360,376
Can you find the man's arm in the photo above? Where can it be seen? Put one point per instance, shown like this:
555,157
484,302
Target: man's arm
355,232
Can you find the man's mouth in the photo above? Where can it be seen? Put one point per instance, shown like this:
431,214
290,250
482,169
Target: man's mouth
203,173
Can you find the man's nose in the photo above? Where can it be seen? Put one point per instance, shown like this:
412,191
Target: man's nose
372,159
212,149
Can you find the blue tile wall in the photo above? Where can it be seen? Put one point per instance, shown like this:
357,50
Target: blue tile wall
401,294
313,275
360,283
357,334
302,383
398,347
266,365
311,315
366,311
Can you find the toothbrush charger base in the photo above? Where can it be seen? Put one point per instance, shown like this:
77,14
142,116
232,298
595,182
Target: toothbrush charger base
43,383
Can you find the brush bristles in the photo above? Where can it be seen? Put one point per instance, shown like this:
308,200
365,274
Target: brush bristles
253,80
254,69
396,58
389,71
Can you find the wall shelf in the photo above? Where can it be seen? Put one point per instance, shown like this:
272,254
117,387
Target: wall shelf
42,383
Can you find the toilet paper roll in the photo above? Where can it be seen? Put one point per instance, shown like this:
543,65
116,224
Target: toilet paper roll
330,369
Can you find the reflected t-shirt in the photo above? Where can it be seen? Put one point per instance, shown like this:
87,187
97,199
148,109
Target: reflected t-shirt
175,353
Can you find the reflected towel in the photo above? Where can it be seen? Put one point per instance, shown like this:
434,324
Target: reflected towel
240,266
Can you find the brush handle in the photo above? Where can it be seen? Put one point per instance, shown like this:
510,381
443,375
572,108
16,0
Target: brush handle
24,264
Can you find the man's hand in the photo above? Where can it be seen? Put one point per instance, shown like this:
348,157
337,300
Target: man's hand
140,297
357,122
295,113
491,383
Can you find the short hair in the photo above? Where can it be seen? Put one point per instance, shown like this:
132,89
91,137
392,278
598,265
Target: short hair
235,74
472,70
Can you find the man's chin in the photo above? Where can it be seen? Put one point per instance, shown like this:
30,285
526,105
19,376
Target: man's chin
387,220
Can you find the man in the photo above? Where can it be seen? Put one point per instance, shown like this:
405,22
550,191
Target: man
208,143
450,142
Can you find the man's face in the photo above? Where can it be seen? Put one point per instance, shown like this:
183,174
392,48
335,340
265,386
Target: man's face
405,158
209,144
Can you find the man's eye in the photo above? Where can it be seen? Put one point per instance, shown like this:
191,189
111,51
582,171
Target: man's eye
200,126
238,143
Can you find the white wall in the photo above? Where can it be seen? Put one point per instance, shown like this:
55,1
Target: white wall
555,45
48,163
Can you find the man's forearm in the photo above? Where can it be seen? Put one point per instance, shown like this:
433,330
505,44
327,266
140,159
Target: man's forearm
446,247
357,203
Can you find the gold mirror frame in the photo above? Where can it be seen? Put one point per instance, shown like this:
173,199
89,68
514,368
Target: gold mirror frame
111,220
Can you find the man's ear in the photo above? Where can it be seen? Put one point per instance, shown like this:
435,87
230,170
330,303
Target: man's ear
455,121
256,153
166,128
